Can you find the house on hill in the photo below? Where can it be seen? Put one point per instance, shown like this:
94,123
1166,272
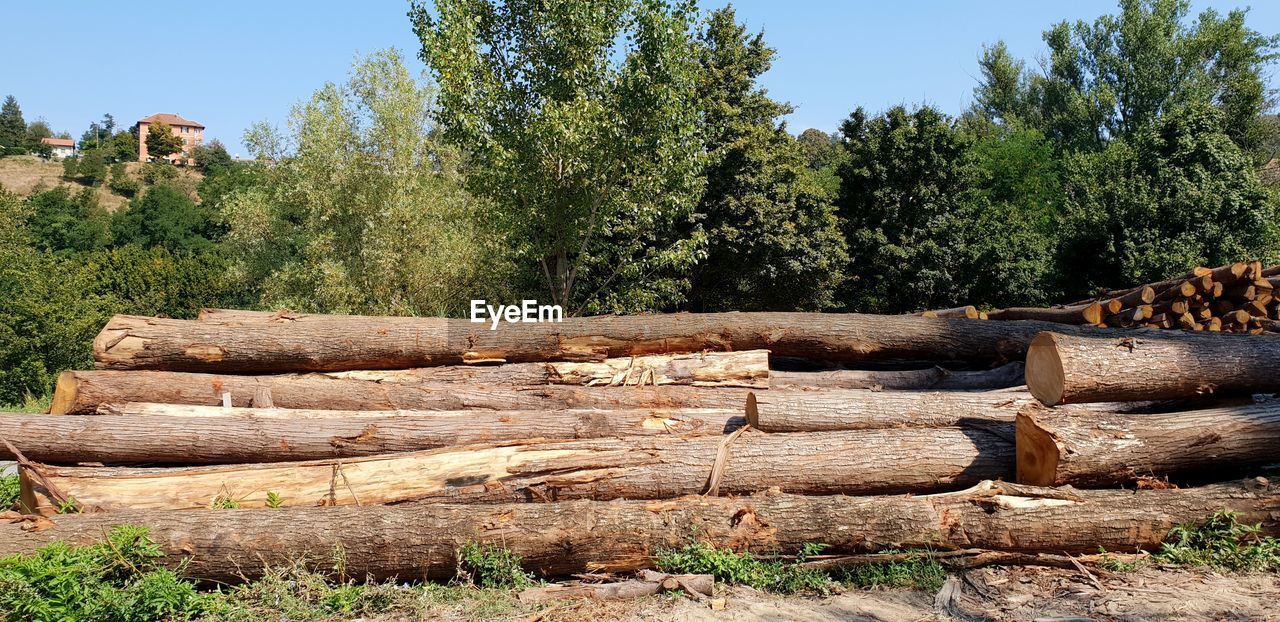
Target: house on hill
190,132
60,147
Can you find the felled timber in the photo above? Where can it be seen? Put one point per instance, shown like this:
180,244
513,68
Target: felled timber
936,378
859,409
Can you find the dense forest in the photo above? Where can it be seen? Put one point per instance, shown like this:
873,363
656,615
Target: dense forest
621,157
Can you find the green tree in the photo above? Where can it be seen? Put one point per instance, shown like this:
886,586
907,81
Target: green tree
99,133
62,222
122,183
71,168
211,157
164,216
579,123
774,242
13,129
367,215
36,131
1178,194
1120,74
901,200
161,141
92,168
123,147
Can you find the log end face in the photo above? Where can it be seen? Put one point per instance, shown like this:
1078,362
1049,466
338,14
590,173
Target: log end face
1036,452
64,394
1044,371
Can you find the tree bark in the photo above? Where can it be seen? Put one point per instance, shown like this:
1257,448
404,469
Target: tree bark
419,541
338,343
1088,448
849,462
749,369
180,434
1091,313
853,409
82,392
1150,365
937,378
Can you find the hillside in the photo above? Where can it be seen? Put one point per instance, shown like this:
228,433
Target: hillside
24,175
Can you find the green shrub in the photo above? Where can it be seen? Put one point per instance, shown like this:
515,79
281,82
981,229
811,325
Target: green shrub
1222,543
9,490
491,566
746,569
121,182
916,573
156,172
117,580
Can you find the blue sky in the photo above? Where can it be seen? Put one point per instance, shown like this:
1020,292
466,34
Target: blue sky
229,64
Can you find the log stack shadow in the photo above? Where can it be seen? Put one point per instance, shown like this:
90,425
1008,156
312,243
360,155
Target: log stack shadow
244,439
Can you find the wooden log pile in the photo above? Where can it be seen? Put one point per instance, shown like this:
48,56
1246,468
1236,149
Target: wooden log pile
247,439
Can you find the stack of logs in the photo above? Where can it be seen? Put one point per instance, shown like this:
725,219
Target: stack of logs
250,439
1237,298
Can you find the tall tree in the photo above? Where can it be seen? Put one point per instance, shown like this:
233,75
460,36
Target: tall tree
99,133
1120,74
161,141
165,216
13,129
774,241
901,195
578,118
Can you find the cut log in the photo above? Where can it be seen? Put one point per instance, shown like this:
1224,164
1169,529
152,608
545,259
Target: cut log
969,312
749,369
181,434
1091,313
1068,446
1065,369
339,343
419,541
82,392
799,411
849,462
939,378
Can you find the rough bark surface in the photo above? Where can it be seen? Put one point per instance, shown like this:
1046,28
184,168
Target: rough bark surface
658,467
1088,448
937,378
181,434
416,541
1150,365
82,392
338,343
854,409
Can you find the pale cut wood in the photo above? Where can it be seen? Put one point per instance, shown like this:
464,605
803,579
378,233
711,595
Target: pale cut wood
1062,446
846,462
419,541
938,378
1091,313
339,343
82,392
1150,366
749,369
182,434
968,312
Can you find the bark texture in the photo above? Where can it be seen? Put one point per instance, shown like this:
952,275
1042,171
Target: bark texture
854,409
1065,369
180,434
420,540
82,392
1068,446
338,343
937,378
658,467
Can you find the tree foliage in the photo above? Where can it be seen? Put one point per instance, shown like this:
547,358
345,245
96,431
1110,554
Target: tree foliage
13,129
164,216
367,213
62,222
773,237
580,126
161,141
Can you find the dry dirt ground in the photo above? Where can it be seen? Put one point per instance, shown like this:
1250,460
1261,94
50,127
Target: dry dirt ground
995,594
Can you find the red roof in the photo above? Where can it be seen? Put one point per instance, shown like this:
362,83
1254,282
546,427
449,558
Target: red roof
58,142
170,119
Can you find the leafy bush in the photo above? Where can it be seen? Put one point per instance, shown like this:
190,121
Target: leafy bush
491,566
118,580
746,569
61,222
1223,543
915,573
164,216
121,182
156,172
9,491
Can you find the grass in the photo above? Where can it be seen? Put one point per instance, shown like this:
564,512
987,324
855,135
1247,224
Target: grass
1222,543
9,489
30,404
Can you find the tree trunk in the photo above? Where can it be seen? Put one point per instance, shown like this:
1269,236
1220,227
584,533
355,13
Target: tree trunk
337,343
937,378
749,369
658,467
82,392
1091,313
1065,369
180,434
853,409
419,541
1068,446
